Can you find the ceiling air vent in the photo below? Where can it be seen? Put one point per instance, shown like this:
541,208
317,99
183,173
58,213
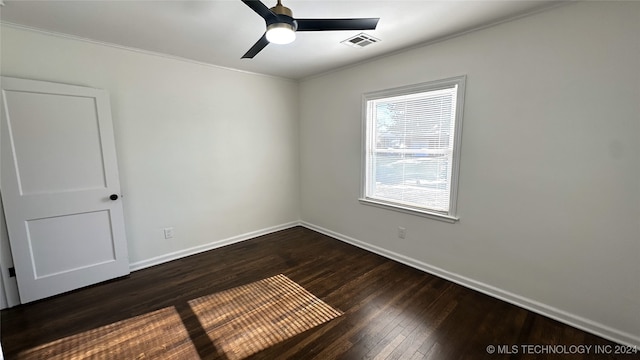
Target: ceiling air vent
361,40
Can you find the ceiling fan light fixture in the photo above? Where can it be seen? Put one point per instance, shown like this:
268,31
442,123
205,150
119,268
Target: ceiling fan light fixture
281,33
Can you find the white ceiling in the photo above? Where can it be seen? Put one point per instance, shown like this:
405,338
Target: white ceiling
219,32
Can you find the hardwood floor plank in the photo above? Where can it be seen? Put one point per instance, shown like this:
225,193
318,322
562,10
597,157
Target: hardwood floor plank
390,346
391,311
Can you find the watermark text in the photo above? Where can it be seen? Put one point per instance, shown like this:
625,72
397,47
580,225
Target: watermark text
544,349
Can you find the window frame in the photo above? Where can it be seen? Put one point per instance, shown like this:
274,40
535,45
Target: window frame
449,216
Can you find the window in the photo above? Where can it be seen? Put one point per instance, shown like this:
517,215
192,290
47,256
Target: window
412,148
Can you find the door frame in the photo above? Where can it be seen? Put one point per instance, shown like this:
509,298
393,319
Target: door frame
9,283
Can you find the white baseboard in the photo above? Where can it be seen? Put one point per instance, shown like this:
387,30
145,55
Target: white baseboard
576,321
139,265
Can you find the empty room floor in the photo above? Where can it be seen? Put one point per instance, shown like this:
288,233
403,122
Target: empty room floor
385,310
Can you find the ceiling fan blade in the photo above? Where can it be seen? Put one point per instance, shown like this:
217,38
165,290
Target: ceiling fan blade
257,47
261,9
337,24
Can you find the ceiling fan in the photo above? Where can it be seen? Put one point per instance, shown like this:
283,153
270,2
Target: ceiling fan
281,26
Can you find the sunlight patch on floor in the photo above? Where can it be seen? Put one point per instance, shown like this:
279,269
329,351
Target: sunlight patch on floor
231,324
156,335
249,318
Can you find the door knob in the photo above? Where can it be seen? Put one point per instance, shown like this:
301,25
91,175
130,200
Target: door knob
113,197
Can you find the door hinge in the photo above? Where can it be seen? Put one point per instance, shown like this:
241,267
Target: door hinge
12,272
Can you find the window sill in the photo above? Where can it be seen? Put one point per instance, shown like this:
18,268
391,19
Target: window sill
409,210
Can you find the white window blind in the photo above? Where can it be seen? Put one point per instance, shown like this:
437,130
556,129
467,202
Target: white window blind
411,146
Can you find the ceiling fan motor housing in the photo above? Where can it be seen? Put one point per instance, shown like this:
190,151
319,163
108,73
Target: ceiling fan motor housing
283,15
282,10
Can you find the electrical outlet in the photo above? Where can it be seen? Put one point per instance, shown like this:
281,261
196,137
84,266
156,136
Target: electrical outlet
168,233
402,232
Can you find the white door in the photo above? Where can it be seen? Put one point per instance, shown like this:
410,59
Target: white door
60,187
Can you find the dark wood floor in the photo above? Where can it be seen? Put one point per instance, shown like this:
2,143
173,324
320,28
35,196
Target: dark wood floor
391,311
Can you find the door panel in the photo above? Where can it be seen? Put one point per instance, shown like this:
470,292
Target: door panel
38,117
58,170
50,238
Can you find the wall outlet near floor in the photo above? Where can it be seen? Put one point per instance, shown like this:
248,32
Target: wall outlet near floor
402,232
168,233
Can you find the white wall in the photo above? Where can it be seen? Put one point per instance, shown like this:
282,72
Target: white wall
549,194
209,151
